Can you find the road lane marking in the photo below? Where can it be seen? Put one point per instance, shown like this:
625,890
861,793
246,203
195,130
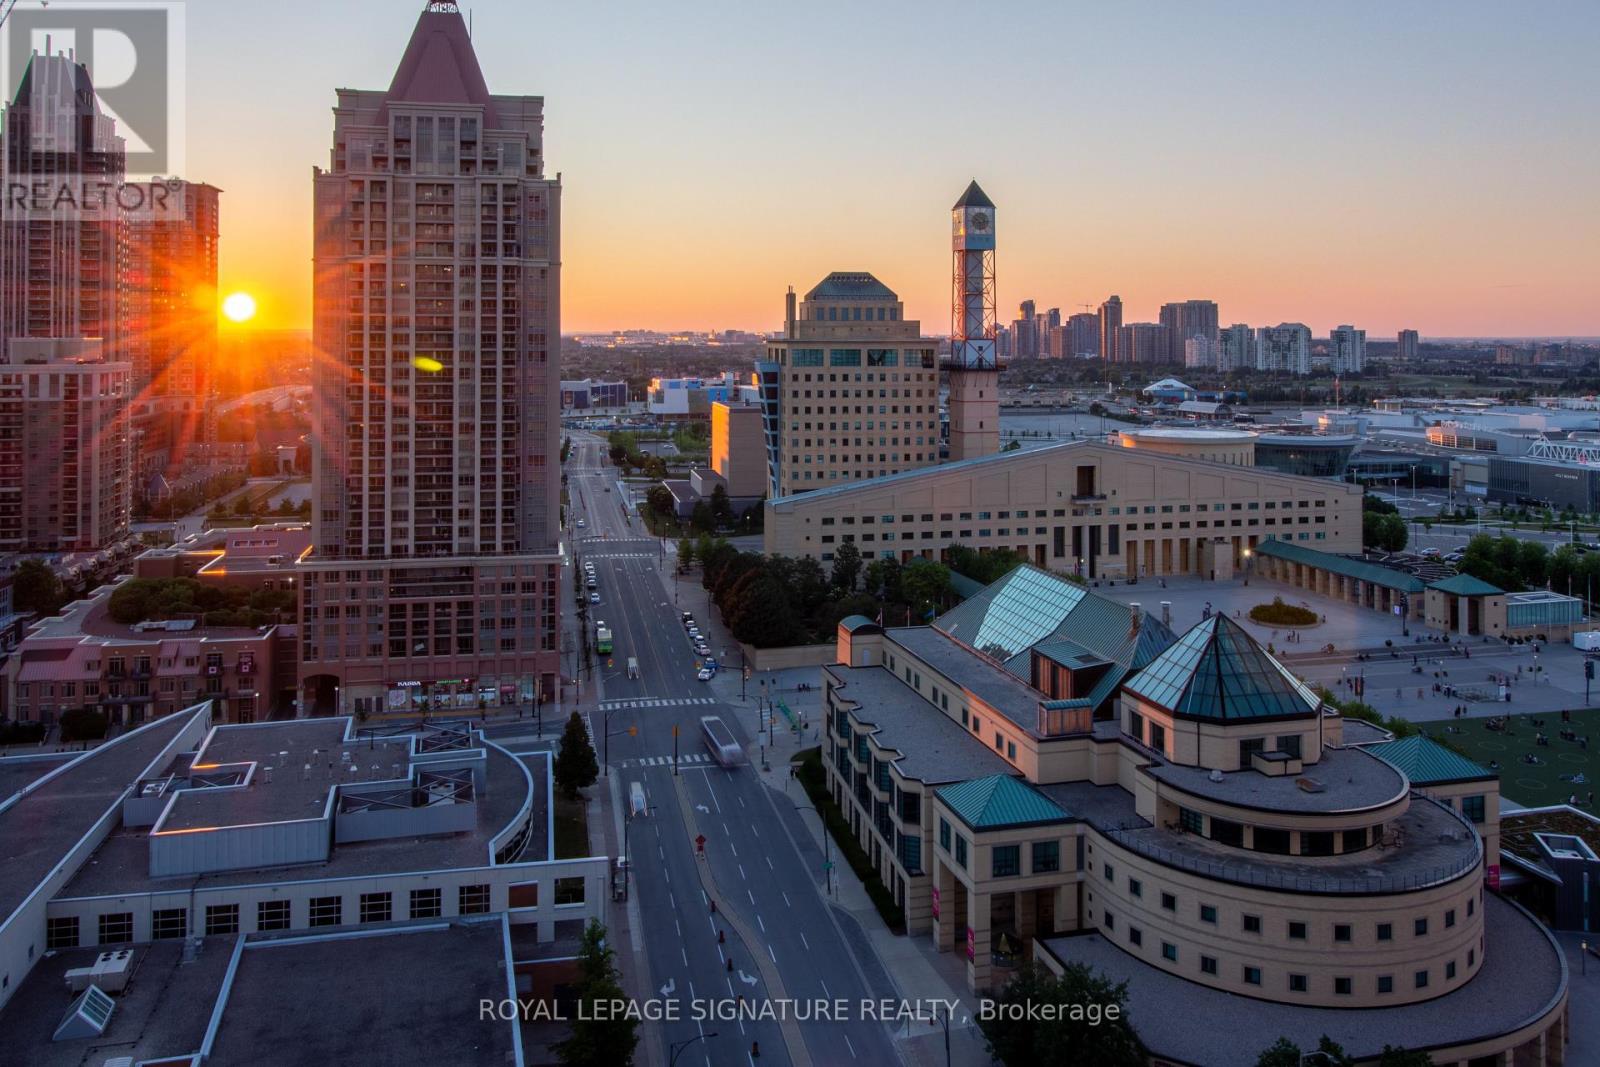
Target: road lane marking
685,955
715,801
734,847
770,867
804,942
741,872
674,899
752,896
851,1047
774,955
825,989
761,924
785,899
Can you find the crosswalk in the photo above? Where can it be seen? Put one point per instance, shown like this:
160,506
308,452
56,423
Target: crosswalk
622,555
656,702
665,761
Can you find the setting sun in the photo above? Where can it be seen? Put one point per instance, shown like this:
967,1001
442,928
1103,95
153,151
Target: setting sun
239,307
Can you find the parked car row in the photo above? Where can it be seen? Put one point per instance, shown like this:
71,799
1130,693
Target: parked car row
702,648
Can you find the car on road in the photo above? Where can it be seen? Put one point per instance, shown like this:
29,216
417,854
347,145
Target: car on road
706,674
702,649
591,583
594,598
581,524
687,617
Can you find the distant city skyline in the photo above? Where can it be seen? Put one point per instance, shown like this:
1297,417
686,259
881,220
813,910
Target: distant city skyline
1399,188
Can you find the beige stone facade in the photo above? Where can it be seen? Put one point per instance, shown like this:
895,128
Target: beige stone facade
1219,838
1086,507
858,387
738,452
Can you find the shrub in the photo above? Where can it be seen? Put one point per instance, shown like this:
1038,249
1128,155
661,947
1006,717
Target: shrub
21,733
1278,613
814,780
83,724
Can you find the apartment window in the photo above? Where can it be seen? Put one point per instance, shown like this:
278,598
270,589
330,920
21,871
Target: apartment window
1341,986
377,907
1386,983
1341,931
1135,936
61,932
1470,902
1449,918
1297,931
1007,860
1420,927
169,924
1110,873
326,911
1450,971
1046,856
1252,924
1169,952
1298,983
472,900
1135,887
1252,975
1208,914
272,915
1386,931
1169,902
1111,921
944,835
1208,965
1422,979
222,919
961,852
427,903
1472,808
115,927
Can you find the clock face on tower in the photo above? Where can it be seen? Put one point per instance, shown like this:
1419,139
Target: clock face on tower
980,221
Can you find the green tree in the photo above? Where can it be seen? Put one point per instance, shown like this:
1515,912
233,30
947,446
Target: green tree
1403,1057
721,507
759,611
660,499
882,580
1383,531
35,587
575,767
1285,1053
702,518
566,448
925,584
1071,1039
846,567
598,1039
685,554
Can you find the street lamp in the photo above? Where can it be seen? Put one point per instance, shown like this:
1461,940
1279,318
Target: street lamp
675,1049
827,854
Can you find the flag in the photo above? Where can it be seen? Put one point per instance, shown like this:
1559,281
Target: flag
880,616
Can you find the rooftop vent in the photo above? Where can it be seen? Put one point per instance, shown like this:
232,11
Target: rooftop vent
1308,785
1215,776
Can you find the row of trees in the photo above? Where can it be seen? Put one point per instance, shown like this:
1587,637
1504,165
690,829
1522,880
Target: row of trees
189,498
769,601
625,453
708,516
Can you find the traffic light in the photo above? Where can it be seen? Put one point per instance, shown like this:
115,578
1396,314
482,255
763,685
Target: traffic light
633,731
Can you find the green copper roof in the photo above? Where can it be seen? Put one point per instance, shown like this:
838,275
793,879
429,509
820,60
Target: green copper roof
851,285
1426,762
1218,671
999,800
1466,585
1360,569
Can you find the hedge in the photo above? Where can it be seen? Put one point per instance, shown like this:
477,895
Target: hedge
815,783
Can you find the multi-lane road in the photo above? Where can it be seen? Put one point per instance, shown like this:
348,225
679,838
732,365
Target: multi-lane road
772,939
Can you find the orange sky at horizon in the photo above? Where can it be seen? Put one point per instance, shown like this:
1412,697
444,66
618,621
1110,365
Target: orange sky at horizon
1406,191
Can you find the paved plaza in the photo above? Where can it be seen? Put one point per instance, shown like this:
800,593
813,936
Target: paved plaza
1399,671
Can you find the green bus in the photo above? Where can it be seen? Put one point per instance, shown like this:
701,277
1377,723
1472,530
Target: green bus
602,640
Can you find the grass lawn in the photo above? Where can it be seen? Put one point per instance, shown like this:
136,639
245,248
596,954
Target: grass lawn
1532,785
572,828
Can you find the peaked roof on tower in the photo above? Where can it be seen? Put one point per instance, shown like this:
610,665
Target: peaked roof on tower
439,66
1000,800
973,197
851,285
1218,671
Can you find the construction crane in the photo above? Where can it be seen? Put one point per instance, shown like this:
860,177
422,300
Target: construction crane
5,9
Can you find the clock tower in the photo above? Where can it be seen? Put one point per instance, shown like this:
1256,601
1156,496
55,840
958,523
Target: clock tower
974,369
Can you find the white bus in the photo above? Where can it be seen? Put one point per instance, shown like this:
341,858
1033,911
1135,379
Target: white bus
719,739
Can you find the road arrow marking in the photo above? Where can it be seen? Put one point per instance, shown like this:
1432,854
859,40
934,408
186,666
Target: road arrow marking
666,990
702,807
746,978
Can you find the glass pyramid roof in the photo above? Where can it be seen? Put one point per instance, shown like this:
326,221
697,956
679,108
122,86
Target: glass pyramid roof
1217,671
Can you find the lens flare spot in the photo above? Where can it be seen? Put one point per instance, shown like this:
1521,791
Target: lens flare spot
428,364
239,307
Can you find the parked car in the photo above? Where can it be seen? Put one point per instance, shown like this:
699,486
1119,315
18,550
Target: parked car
594,598
706,674
591,583
581,524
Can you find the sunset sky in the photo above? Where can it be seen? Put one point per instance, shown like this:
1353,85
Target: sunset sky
1426,165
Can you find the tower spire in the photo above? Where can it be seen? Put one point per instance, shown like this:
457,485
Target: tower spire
974,366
